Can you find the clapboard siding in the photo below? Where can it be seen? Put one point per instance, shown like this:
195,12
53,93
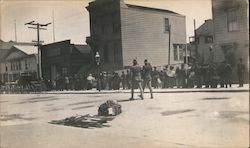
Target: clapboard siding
143,35
221,34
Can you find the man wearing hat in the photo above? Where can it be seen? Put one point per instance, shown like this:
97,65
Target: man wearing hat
241,71
136,79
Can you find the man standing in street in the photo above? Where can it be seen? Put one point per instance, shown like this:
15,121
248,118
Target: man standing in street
240,70
147,69
136,79
228,74
123,77
90,80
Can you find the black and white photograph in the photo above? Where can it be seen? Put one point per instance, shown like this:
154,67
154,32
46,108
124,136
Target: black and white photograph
124,74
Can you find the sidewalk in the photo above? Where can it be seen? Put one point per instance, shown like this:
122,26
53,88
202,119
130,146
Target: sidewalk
234,88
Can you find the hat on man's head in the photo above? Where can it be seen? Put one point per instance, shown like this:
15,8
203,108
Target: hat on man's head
134,62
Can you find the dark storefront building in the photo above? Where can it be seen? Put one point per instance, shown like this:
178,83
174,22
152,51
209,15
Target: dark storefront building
65,59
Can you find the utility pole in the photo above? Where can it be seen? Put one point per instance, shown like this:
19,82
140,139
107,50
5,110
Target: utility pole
38,27
169,43
196,42
53,26
15,30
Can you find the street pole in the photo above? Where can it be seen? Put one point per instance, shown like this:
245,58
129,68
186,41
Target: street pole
169,44
39,52
195,39
186,57
98,63
99,78
53,26
38,27
15,31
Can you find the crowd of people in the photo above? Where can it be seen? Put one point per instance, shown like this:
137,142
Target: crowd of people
179,76
170,76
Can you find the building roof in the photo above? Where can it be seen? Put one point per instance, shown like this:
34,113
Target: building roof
3,52
206,28
83,48
56,43
150,8
27,49
6,45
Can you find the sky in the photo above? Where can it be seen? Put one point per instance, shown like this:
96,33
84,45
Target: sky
71,19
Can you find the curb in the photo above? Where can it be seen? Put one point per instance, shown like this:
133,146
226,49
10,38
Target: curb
166,91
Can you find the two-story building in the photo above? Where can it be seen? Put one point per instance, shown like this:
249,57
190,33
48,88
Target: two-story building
64,59
201,46
231,31
18,60
123,32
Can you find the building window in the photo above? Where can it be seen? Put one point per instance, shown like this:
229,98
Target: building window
106,54
116,48
64,71
115,25
232,21
103,29
166,25
54,52
19,65
11,66
197,40
209,39
179,50
26,64
16,66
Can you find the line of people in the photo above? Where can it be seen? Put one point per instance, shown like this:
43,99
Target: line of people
181,76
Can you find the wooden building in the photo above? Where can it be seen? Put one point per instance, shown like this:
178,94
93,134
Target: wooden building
231,31
123,32
17,61
203,43
64,59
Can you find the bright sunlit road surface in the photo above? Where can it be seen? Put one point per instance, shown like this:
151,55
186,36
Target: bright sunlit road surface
199,119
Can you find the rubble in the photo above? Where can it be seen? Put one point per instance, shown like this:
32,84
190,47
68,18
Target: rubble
85,121
106,112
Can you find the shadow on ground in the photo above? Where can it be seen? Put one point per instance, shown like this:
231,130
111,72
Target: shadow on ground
173,112
14,117
39,99
219,98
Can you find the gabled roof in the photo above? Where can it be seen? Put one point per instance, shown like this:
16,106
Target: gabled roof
83,48
3,52
206,29
27,49
6,45
150,8
25,52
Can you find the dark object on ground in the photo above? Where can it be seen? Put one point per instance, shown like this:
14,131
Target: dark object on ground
85,121
109,108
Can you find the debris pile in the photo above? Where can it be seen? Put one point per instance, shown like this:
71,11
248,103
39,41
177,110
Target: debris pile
85,121
106,112
109,108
